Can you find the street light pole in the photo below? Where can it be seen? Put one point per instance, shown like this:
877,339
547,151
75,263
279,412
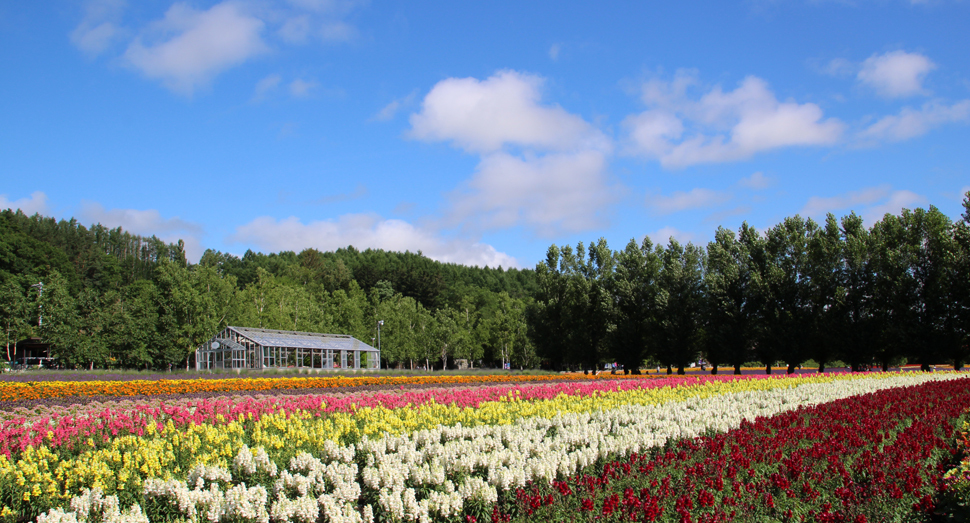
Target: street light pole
40,308
379,323
40,294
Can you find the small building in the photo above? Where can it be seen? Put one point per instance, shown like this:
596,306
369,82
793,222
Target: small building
247,348
32,353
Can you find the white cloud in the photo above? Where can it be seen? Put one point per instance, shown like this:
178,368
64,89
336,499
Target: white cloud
366,231
896,74
36,203
301,88
910,123
147,223
757,181
540,166
896,202
485,115
266,85
389,111
328,7
872,203
99,27
550,193
554,52
840,67
296,29
818,206
722,126
188,48
337,31
681,201
663,236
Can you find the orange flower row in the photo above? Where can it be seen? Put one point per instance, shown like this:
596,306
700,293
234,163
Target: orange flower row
10,391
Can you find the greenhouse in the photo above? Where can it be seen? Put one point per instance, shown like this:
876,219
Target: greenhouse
247,348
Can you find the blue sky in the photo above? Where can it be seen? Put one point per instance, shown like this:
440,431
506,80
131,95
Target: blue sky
478,132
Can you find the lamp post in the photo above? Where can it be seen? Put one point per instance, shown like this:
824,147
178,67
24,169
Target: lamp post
379,323
40,294
40,314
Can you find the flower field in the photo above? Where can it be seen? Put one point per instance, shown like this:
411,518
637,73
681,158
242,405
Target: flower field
695,448
19,390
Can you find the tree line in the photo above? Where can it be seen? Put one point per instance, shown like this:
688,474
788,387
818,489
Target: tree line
800,291
106,298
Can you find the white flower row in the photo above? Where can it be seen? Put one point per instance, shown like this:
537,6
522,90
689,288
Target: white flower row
433,474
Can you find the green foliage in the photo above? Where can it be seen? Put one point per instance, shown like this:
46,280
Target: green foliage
800,291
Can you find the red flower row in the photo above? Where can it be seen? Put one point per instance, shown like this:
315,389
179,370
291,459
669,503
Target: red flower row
877,457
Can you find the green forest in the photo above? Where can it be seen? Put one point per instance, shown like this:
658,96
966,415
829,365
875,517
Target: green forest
798,292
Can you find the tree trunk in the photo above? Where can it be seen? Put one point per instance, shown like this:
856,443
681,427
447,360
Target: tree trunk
737,368
669,370
885,365
680,369
791,368
767,368
713,369
821,366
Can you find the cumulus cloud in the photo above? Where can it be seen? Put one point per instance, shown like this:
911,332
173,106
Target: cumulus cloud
540,166
301,88
896,74
310,20
337,31
188,48
99,27
840,67
662,236
818,206
697,198
265,86
680,130
296,29
147,223
554,52
550,193
910,123
366,231
36,203
485,115
872,203
389,111
895,204
757,181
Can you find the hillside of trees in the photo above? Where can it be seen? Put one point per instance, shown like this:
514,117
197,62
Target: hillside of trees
113,299
800,291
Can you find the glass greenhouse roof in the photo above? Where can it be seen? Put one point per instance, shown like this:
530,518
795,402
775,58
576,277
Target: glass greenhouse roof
302,340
